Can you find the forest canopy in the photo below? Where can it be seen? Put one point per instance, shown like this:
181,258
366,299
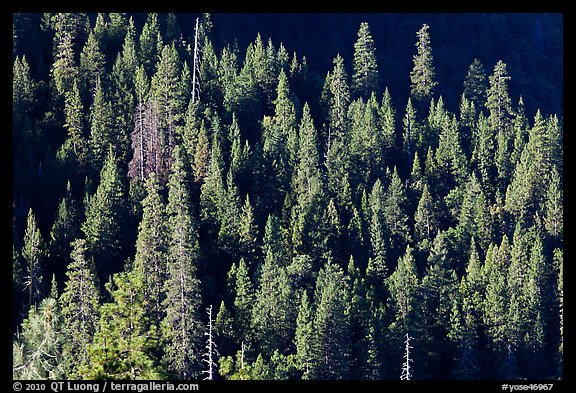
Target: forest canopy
256,196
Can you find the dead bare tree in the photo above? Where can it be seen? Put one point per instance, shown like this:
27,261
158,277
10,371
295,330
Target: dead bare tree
211,351
196,66
406,373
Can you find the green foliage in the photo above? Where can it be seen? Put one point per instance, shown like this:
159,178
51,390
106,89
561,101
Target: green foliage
36,352
75,126
422,75
307,187
33,252
331,325
498,101
123,345
365,77
243,302
304,337
102,135
339,98
148,43
274,310
256,193
395,214
92,64
181,327
23,93
106,213
152,247
403,284
80,310
475,83
64,70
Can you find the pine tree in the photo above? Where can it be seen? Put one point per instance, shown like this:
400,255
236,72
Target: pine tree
339,100
248,231
422,75
307,187
274,312
66,228
273,241
224,329
437,290
144,133
106,214
166,92
264,67
332,230
227,76
80,310
181,328
411,130
520,128
538,281
495,304
377,266
498,101
17,284
36,352
239,154
331,325
403,284
388,121
474,216
64,71
151,249
527,187
425,218
117,30
304,337
463,332
484,154
365,149
365,77
503,163
212,192
201,155
122,93
23,95
450,156
243,302
395,213
280,142
553,207
75,126
33,253
102,135
92,63
468,115
123,346
475,83
173,31
149,43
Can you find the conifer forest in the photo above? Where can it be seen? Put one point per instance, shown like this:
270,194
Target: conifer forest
287,196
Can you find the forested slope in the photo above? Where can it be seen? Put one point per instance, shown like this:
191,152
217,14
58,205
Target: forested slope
160,169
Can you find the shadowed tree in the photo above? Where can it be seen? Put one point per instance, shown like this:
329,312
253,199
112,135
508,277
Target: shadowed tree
80,310
181,328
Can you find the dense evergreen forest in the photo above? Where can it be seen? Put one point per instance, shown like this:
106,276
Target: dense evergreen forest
331,196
